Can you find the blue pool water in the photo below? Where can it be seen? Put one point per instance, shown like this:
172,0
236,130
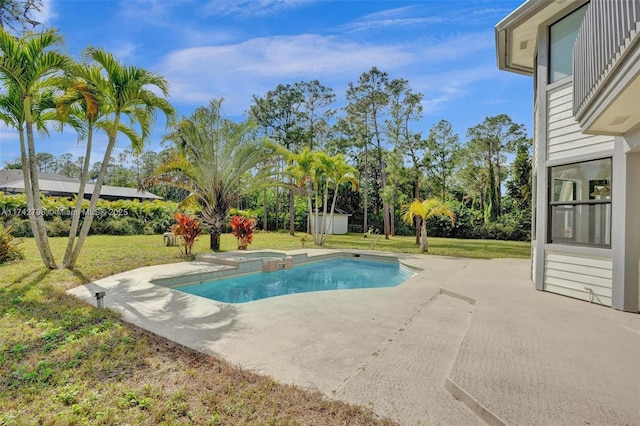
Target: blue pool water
334,274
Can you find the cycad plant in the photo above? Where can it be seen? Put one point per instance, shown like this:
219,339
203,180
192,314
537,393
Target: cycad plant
216,161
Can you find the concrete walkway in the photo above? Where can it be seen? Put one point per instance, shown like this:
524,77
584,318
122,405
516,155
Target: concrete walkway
476,329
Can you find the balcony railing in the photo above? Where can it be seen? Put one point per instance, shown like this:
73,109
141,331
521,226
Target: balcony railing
609,27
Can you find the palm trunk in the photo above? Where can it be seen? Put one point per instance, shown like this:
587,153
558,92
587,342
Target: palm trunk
316,228
26,175
36,216
75,221
292,211
310,210
416,195
265,221
424,242
323,235
214,237
88,218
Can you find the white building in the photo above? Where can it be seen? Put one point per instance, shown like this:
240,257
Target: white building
338,226
584,58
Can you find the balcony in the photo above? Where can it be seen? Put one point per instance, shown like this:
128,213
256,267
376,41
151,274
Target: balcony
606,68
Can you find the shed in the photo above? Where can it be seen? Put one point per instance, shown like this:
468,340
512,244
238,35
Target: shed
338,226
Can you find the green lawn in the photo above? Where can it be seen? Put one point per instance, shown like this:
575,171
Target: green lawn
63,362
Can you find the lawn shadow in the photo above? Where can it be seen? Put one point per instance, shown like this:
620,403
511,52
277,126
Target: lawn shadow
190,320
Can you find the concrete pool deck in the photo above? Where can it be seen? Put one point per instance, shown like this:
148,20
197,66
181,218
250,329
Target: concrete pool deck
476,329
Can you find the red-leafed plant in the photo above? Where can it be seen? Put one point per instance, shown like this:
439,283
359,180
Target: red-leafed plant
187,228
242,228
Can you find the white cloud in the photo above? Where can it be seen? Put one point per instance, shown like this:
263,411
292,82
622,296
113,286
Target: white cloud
402,17
240,70
442,88
251,7
46,13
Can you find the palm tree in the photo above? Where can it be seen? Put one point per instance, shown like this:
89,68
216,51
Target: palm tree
336,171
425,210
318,174
121,91
29,70
80,106
301,170
216,160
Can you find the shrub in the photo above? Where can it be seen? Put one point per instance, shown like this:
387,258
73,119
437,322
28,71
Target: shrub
10,247
188,228
21,227
58,227
242,228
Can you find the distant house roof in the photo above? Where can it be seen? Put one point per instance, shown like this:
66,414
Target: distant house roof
11,181
336,211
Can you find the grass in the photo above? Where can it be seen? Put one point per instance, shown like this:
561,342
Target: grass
64,362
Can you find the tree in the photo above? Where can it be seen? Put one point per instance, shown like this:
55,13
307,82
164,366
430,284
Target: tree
406,108
315,111
279,113
519,185
121,91
427,209
30,68
369,100
319,174
17,15
216,161
444,146
490,141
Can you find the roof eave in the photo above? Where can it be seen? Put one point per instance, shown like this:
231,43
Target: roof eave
503,29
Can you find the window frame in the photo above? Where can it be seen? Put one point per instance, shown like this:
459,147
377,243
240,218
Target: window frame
573,203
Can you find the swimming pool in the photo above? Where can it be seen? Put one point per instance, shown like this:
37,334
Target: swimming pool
333,274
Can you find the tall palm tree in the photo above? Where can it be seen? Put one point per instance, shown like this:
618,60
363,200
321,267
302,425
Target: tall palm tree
82,108
319,174
216,160
335,171
122,91
302,168
30,68
431,207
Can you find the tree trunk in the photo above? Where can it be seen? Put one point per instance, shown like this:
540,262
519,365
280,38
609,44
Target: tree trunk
385,205
424,242
366,188
392,213
89,216
276,207
26,175
416,196
75,220
292,212
37,214
265,218
214,238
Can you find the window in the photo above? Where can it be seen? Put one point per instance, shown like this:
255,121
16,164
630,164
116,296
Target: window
580,208
562,37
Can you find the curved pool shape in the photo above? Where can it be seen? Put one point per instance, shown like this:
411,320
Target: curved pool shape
334,274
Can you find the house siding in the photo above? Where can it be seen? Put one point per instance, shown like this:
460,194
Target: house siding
580,277
535,138
564,136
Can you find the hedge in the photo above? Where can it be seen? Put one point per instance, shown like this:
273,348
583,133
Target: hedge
120,217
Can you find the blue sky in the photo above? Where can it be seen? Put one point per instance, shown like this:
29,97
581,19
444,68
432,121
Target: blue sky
239,48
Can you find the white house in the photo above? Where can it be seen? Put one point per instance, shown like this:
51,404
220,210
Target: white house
584,58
